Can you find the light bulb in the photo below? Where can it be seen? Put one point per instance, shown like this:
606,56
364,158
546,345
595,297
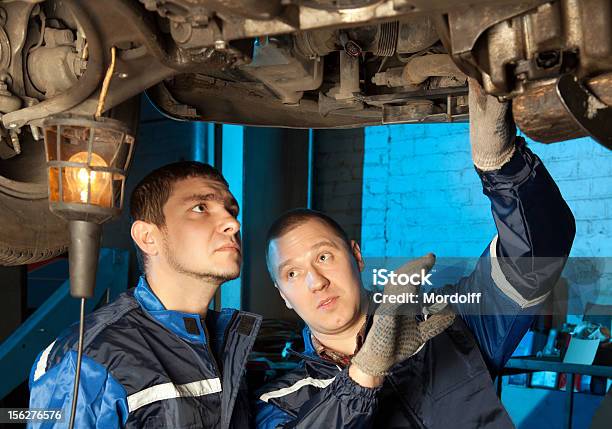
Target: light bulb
78,179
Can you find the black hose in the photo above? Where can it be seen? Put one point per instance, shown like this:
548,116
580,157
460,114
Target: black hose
77,375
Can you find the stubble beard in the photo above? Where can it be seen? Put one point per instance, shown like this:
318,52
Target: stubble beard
210,276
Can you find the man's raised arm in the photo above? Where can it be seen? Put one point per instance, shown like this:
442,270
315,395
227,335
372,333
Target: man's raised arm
535,231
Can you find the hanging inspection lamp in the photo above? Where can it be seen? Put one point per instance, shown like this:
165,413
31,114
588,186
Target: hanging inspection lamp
87,162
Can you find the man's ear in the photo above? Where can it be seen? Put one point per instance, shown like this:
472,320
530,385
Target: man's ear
144,236
287,303
357,254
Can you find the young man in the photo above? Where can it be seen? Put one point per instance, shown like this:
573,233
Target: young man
387,371
157,356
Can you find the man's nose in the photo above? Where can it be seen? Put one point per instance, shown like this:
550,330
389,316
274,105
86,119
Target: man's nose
316,281
229,225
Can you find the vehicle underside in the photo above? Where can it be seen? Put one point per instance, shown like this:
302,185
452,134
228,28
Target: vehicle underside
289,63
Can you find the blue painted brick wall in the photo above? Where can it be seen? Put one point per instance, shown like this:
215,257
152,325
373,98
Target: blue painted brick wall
421,193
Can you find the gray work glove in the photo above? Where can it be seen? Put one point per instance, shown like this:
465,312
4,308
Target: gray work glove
492,129
395,334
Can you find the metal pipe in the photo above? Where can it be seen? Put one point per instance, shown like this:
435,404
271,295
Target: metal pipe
77,374
421,68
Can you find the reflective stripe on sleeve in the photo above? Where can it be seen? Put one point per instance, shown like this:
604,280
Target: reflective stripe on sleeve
308,381
504,285
41,365
164,391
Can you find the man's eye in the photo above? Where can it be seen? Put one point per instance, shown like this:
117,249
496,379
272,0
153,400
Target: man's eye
291,274
200,208
324,257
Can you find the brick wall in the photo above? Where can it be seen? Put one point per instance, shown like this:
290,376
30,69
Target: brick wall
337,176
421,193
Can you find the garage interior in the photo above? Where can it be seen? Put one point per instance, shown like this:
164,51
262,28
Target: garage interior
400,190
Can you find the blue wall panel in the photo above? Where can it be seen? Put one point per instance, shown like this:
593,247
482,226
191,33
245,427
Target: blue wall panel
421,192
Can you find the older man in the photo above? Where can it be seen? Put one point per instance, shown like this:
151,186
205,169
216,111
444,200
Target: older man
403,371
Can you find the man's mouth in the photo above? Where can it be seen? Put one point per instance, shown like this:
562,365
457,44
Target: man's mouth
327,303
230,247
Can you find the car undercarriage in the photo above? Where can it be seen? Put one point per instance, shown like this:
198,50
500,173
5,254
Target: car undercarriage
289,63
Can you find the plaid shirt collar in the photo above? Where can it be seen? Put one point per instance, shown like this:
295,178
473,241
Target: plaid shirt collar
338,358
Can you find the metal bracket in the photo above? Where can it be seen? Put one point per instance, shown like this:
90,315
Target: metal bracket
593,116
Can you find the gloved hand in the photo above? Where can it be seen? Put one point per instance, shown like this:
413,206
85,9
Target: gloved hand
492,129
395,334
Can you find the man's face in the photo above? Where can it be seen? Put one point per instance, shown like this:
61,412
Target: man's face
318,275
201,237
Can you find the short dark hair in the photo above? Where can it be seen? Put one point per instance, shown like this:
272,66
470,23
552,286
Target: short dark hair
151,193
296,217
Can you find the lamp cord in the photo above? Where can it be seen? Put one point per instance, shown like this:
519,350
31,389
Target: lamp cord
77,375
106,83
